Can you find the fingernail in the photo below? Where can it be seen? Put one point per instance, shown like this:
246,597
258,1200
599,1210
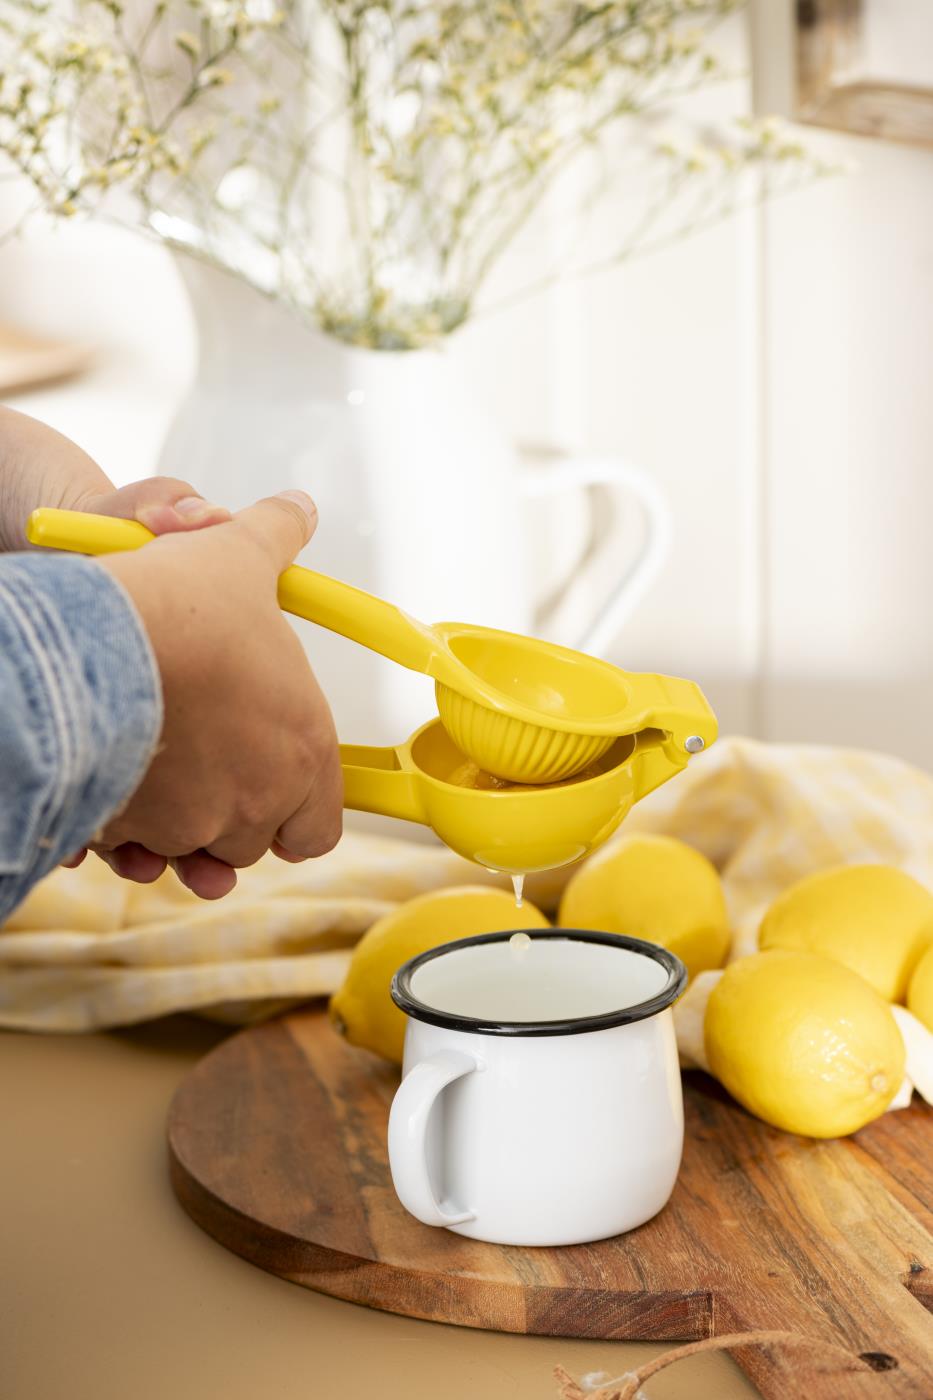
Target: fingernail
191,507
302,499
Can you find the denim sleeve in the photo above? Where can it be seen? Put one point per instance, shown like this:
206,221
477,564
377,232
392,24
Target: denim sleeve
80,711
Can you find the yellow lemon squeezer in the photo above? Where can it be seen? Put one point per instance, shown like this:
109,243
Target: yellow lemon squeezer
538,752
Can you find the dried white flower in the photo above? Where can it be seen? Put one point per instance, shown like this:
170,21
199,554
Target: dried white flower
188,43
368,162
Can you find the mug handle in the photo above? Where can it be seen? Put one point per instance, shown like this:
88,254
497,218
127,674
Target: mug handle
548,472
408,1128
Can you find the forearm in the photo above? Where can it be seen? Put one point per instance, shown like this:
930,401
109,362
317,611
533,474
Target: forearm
40,467
80,711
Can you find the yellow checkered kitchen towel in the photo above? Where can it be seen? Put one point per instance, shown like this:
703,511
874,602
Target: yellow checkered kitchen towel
87,950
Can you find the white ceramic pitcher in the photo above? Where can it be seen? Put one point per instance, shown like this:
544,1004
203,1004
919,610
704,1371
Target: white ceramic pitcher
421,501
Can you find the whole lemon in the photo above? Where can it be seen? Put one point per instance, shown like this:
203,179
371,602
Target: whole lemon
363,1010
874,918
656,888
803,1043
920,991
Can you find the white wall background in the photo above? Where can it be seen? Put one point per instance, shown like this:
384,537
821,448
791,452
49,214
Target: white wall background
847,456
774,375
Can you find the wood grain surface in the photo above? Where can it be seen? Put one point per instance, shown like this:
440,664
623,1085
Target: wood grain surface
277,1149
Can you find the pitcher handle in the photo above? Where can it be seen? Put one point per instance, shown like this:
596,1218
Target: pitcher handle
572,470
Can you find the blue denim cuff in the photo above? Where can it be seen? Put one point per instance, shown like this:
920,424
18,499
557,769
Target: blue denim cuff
80,711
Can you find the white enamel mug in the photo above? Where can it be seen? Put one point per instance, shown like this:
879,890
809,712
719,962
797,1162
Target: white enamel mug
540,1101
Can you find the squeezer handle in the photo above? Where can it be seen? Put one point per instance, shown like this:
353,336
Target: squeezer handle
374,781
331,603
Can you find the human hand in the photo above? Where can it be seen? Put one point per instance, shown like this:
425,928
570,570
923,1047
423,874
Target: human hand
40,467
248,759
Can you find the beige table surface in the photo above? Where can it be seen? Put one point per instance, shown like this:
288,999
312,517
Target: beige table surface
109,1292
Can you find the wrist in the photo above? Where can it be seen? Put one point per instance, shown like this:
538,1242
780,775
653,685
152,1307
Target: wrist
165,611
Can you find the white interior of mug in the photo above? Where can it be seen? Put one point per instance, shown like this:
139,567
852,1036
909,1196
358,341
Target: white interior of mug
537,979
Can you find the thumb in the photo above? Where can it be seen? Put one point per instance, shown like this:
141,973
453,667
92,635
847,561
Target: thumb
282,525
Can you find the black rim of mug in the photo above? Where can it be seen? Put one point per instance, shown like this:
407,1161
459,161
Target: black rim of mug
404,998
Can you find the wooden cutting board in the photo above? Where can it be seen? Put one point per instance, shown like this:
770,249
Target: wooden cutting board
277,1149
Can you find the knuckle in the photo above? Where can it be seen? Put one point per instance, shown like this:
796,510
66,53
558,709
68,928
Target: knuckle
188,837
314,830
301,521
315,753
254,810
326,836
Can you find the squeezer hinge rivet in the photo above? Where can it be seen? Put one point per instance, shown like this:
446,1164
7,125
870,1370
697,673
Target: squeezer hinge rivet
694,744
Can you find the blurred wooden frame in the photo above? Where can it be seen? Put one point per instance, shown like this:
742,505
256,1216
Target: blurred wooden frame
806,66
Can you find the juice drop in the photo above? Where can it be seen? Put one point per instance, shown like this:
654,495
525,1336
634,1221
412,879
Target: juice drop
520,941
518,885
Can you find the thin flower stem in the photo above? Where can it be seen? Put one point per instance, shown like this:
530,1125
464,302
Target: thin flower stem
397,149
